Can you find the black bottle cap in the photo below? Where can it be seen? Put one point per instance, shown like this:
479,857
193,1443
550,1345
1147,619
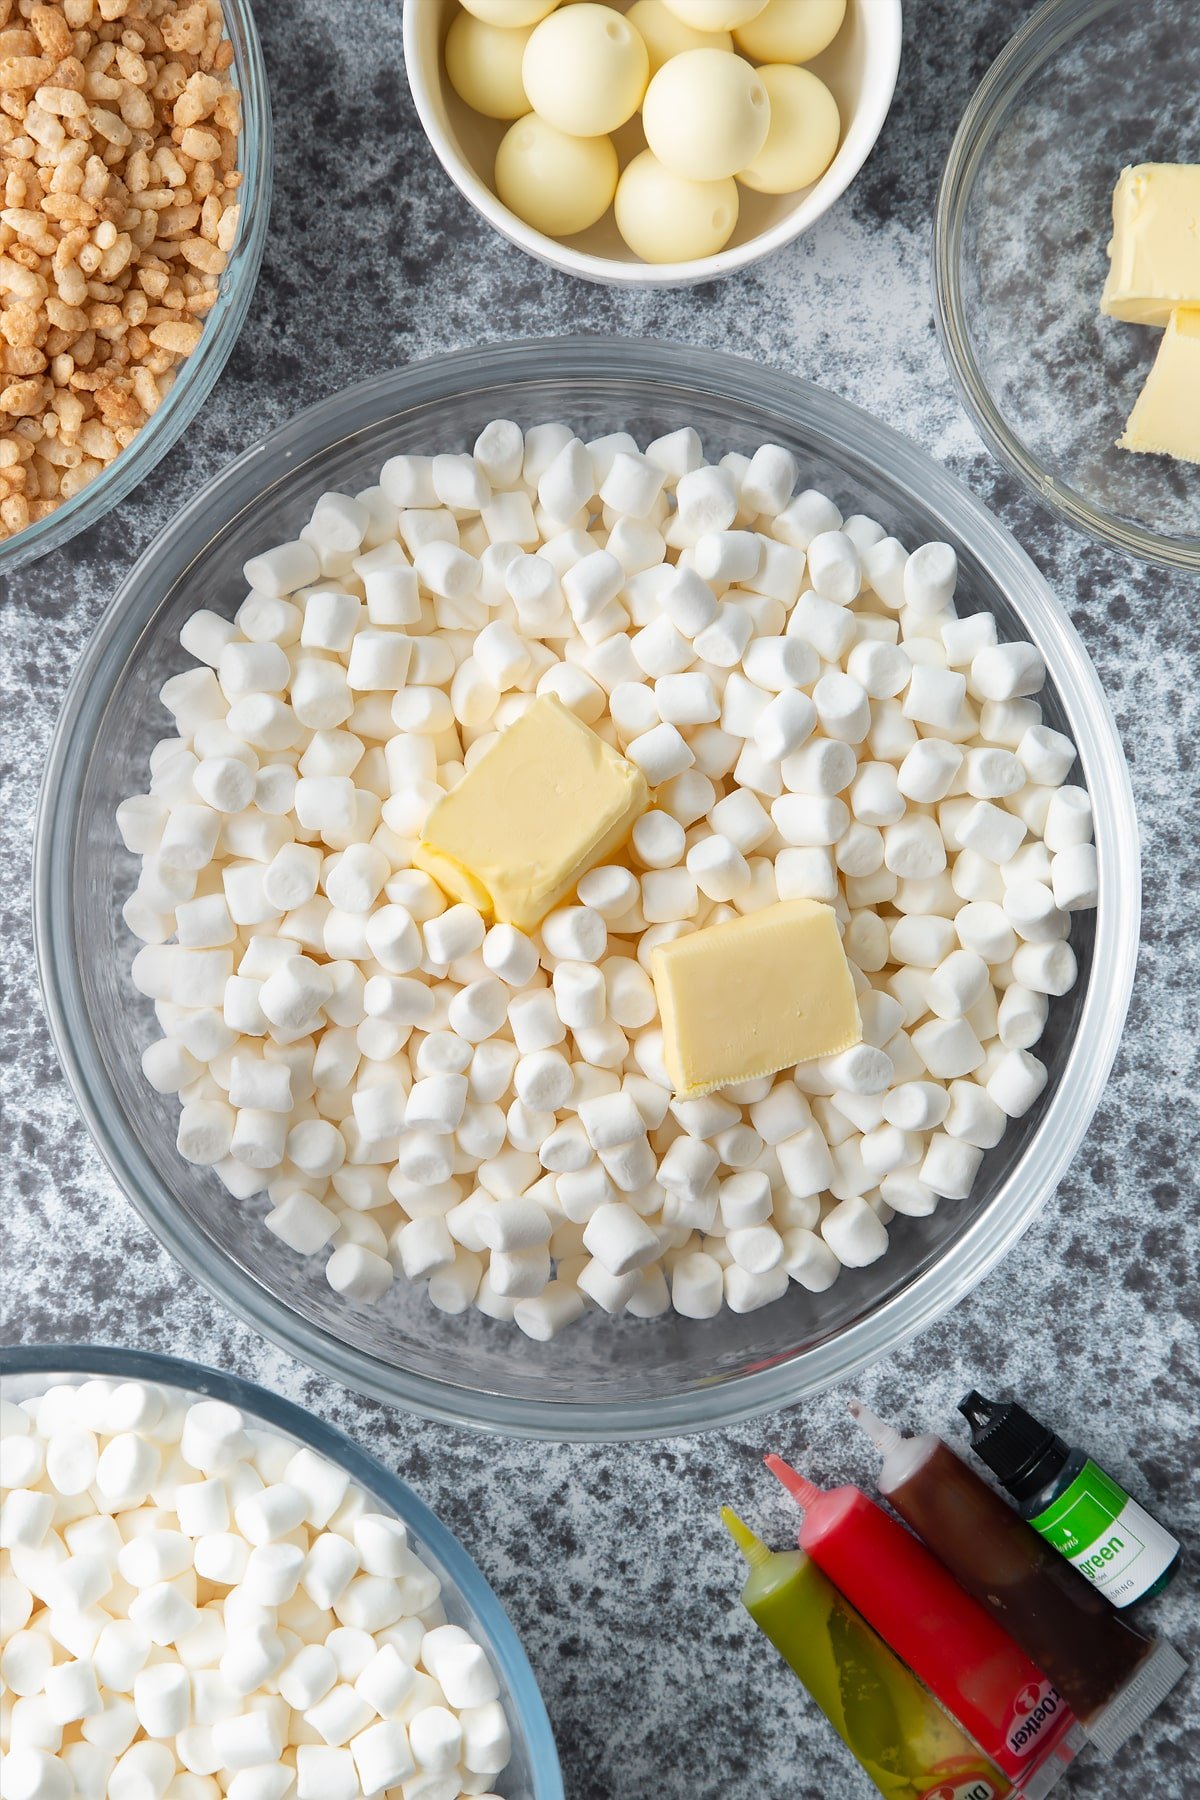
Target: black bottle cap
1021,1452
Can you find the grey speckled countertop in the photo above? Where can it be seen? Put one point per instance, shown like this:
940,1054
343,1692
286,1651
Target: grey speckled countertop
609,1559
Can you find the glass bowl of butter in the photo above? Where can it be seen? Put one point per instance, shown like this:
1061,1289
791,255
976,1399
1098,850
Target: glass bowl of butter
605,1377
1080,364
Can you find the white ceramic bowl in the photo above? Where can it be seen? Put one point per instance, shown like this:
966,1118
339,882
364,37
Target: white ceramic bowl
859,67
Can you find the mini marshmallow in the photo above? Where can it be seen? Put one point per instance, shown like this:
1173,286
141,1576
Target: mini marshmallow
947,1048
784,725
725,557
875,797
1075,877
854,1233
779,664
658,840
1031,910
914,849
842,707
382,1755
1068,820
930,577
950,1166
823,626
928,770
1021,1017
609,890
974,1116
779,576
723,641
1007,672
861,1070
1046,968
668,895
660,753
991,774
956,984
590,585
575,933
809,819
1046,756
360,1274
834,567
1016,1082
767,483
718,868
881,669
935,696
580,996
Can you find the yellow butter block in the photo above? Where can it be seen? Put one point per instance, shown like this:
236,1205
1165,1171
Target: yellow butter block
754,995
1155,249
545,804
1165,420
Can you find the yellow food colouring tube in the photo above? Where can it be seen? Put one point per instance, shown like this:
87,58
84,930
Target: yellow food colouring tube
909,1747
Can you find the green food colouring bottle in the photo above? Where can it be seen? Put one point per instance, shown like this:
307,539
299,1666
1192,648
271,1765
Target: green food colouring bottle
1073,1502
909,1747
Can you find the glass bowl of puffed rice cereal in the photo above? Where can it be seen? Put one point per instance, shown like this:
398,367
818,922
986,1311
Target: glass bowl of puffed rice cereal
586,889
137,155
240,1592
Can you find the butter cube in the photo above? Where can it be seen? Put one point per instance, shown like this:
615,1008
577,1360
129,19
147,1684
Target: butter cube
545,804
1165,420
754,995
1155,248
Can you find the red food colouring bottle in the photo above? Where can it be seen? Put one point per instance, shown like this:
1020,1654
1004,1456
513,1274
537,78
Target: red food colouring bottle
974,1668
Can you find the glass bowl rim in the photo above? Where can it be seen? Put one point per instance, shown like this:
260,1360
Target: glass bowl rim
1029,1183
1042,35
198,374
329,1441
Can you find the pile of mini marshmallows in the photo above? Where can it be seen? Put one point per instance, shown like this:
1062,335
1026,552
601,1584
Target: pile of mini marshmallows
193,1607
489,1113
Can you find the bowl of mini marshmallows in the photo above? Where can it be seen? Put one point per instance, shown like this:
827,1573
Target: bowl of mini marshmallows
652,141
204,1584
138,192
586,888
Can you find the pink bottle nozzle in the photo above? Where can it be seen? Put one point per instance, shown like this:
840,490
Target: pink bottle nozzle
803,1492
884,1437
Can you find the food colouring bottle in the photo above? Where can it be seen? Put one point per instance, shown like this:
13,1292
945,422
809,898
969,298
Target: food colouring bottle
1073,1502
1112,1674
908,1746
995,1691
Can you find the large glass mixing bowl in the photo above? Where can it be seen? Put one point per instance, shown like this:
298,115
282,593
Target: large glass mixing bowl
604,1378
533,1771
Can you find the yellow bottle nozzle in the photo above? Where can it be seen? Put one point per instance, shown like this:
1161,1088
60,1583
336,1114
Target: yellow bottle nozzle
750,1545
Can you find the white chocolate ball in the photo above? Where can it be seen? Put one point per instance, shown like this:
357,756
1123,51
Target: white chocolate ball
791,30
585,70
664,217
716,15
510,14
805,128
483,63
665,35
556,183
706,114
